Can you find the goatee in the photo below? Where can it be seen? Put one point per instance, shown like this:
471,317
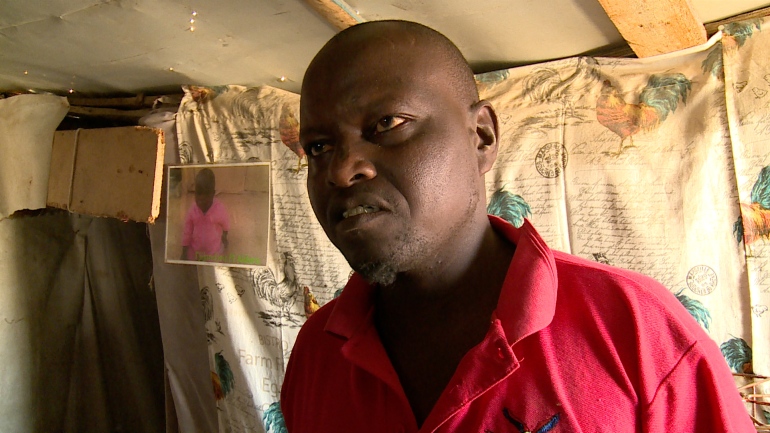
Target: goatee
377,273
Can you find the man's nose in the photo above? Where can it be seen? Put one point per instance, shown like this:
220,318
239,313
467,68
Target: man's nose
351,164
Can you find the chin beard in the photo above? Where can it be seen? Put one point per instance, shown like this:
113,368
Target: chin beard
377,273
383,268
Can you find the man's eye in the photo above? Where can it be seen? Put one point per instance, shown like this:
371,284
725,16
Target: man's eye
317,148
387,123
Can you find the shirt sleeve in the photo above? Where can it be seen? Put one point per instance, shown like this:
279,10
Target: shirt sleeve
699,395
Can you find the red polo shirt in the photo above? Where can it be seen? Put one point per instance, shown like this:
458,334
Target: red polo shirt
574,346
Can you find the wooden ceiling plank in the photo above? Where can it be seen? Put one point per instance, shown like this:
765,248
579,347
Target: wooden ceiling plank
336,12
653,27
623,50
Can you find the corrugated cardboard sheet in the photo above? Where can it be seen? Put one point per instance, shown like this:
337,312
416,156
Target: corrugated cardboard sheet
111,172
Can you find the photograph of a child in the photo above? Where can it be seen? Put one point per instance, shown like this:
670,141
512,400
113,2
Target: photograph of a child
218,214
207,222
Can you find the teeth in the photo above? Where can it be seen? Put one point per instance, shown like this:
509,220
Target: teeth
358,210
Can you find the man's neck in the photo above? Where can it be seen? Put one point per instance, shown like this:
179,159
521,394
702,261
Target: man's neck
468,269
428,325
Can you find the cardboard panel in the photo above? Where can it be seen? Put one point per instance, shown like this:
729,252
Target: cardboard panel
111,172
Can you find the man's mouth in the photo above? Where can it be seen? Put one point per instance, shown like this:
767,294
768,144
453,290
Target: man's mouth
358,210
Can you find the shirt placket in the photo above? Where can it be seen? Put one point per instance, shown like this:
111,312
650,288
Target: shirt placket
364,349
486,365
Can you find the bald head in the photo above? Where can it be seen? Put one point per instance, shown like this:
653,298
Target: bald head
391,40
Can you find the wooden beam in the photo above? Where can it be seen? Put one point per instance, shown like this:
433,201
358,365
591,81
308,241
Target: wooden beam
653,27
336,12
623,50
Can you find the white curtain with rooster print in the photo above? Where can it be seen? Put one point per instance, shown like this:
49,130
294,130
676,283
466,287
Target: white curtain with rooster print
657,165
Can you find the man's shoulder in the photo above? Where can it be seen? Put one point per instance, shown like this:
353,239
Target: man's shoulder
626,304
584,274
313,335
610,290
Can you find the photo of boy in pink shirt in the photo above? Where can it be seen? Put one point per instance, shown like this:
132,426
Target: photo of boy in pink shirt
206,223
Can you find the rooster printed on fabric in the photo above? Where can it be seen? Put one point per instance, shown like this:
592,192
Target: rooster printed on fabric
696,309
546,84
311,304
657,101
738,355
754,222
273,419
288,127
509,206
279,294
713,63
223,379
737,33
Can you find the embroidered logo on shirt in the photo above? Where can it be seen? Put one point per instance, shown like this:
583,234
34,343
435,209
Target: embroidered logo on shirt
543,427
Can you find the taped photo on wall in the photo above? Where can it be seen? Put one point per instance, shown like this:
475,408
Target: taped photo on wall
218,214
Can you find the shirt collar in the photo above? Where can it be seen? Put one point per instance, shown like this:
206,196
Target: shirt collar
527,300
353,309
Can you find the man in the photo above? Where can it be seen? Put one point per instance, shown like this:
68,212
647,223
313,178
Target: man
456,321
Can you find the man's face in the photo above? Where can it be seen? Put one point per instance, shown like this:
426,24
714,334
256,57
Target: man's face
394,175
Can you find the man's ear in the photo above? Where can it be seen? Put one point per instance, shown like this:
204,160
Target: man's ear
487,135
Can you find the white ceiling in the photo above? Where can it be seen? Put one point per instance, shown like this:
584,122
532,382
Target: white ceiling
113,47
